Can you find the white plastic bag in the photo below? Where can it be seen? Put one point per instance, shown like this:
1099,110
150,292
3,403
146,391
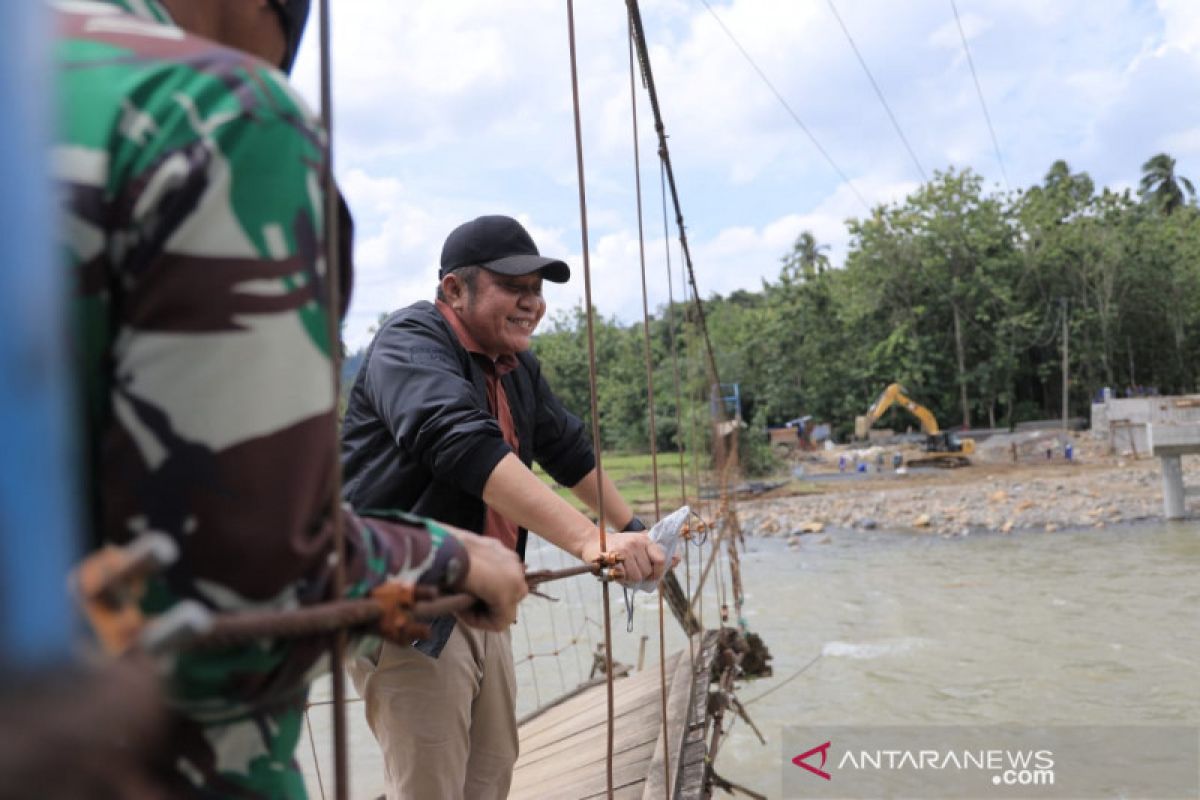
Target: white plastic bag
666,533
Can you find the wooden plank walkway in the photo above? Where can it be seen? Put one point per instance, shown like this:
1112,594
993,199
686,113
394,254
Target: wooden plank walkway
563,748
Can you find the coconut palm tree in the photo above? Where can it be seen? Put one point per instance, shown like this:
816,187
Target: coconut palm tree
1162,187
807,258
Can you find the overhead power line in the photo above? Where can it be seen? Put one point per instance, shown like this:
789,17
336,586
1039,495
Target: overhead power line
878,92
979,91
787,107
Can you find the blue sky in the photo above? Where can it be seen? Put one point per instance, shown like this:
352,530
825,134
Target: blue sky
448,110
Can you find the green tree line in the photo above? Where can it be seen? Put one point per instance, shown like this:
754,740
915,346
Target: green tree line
959,292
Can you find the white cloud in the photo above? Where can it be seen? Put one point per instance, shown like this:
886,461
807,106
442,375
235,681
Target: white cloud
1181,23
947,35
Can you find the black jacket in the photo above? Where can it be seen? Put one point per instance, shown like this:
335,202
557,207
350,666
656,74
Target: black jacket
418,434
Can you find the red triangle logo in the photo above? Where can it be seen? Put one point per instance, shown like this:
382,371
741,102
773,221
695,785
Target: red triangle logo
823,749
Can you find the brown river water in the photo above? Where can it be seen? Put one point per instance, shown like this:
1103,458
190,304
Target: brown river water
1091,627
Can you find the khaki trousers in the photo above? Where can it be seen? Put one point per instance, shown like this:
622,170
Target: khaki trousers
447,726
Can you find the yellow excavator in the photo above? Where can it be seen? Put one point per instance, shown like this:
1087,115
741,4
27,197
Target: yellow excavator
952,449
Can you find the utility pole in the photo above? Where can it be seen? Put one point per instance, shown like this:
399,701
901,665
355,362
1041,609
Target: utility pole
1065,367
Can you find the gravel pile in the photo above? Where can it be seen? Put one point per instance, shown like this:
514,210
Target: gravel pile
1090,497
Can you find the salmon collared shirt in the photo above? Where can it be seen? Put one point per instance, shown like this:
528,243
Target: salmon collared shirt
495,525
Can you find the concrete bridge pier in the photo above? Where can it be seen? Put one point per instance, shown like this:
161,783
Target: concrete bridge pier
1170,443
1173,490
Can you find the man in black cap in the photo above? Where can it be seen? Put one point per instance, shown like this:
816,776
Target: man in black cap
445,417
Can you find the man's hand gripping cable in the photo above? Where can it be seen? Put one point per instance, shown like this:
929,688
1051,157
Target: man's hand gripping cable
607,567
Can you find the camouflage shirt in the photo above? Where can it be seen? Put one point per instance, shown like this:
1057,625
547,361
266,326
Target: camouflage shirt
189,178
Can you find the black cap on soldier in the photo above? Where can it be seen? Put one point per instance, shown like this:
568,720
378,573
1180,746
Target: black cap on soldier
499,244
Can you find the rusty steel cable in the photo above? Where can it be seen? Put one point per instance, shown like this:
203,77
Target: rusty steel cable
347,614
341,766
662,177
637,180
696,604
693,434
587,274
722,598
538,577
702,504
687,594
673,347
688,370
225,630
591,337
649,391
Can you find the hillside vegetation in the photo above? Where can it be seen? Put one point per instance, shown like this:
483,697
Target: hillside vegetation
958,292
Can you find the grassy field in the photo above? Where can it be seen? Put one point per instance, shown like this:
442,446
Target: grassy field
634,475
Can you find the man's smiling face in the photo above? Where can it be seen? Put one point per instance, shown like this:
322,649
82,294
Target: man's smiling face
501,311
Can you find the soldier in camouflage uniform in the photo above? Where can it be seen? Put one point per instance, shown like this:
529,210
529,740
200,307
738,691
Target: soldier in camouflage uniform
189,174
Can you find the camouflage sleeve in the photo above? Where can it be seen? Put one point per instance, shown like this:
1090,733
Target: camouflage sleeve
221,393
414,549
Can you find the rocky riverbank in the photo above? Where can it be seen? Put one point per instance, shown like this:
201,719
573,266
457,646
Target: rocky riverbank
1000,498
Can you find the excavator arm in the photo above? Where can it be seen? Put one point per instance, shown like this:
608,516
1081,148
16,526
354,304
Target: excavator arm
895,393
929,424
883,403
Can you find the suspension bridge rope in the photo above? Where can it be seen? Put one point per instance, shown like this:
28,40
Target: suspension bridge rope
653,431
591,339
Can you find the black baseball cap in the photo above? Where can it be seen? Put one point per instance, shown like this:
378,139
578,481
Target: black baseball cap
499,244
